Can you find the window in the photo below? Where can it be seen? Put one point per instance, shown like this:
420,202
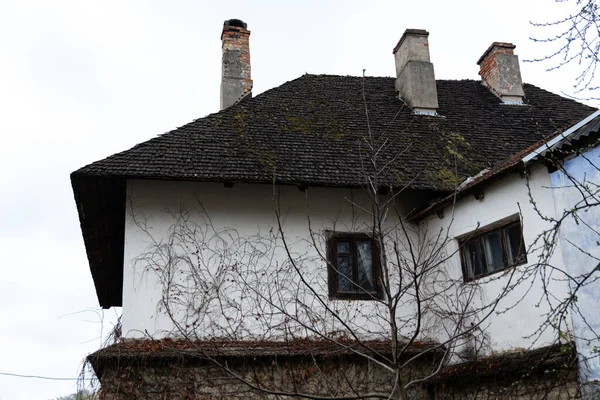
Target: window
353,266
492,250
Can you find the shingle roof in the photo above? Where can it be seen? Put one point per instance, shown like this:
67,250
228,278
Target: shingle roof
311,131
579,135
585,133
308,129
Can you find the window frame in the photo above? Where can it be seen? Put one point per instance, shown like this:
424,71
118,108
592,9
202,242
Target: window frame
333,273
479,234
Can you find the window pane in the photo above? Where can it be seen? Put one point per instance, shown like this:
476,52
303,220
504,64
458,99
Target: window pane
493,251
515,250
474,258
344,266
343,247
365,266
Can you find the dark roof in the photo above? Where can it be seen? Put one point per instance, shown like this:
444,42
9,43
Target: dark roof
550,150
472,184
518,362
582,135
310,132
309,127
148,350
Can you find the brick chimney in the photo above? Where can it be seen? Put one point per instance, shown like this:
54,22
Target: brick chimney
500,71
236,82
415,79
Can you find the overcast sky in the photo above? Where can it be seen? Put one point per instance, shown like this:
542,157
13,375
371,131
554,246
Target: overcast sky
80,80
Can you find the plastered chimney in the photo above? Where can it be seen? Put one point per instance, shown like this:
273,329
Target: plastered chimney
500,71
236,81
415,78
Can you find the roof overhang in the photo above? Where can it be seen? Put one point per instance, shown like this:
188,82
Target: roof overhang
149,352
101,207
583,128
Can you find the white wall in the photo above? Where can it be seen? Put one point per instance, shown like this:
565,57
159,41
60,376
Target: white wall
243,216
519,314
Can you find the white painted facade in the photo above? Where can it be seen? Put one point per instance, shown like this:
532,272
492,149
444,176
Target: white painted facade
247,211
520,313
239,215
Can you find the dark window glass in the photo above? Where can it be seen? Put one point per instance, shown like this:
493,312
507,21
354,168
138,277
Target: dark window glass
365,265
353,267
493,250
344,269
343,247
474,258
514,244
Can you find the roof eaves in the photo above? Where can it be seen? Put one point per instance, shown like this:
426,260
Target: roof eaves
521,159
484,177
149,350
560,356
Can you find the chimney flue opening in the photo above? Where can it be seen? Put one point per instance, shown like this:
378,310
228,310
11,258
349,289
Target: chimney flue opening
236,22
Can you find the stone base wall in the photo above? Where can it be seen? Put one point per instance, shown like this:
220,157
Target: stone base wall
150,370
558,384
153,379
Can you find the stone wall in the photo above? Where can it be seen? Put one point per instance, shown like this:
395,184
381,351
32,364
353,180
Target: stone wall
182,379
548,373
180,370
543,386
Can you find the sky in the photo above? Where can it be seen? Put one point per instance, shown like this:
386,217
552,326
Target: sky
81,80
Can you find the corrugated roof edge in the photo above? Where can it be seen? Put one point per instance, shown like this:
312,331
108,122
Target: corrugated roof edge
560,138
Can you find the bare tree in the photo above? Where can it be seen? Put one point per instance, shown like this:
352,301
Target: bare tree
573,40
223,288
80,395
574,225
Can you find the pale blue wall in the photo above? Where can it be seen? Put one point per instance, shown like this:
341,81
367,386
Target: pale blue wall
577,239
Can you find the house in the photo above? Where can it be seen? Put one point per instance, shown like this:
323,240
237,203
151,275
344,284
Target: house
334,236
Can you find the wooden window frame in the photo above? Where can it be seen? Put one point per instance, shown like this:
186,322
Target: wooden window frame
332,270
479,234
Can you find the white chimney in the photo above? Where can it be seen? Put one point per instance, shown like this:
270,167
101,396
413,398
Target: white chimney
415,78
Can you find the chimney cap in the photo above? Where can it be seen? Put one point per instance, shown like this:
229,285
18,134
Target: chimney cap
504,45
235,22
410,32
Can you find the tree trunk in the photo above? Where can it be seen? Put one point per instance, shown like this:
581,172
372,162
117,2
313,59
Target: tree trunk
400,392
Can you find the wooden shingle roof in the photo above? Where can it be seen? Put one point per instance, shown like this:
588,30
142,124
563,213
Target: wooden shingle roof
310,129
